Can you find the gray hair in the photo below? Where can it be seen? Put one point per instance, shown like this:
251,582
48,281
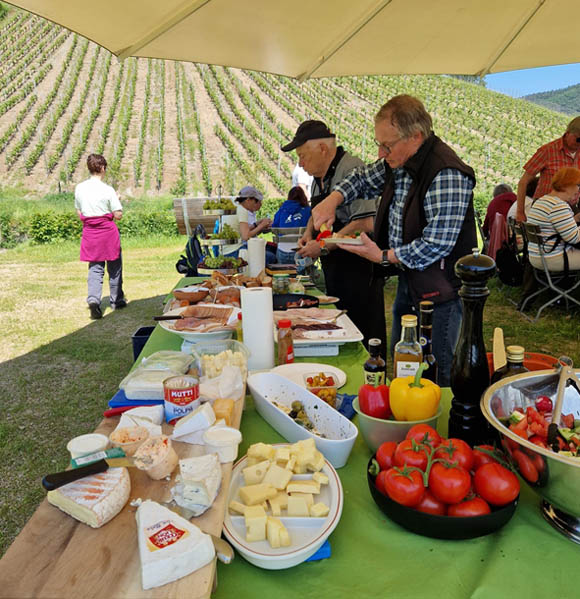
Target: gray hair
329,142
502,188
407,114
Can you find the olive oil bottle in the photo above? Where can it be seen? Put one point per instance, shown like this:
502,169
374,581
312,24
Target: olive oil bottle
408,353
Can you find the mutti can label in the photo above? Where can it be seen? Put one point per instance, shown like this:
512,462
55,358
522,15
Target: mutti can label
181,396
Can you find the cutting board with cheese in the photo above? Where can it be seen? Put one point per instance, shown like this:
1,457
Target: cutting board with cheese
58,556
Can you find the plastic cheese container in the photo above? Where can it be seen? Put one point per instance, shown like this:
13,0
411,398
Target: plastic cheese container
156,457
224,441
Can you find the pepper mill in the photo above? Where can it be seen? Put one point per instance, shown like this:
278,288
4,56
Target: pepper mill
469,369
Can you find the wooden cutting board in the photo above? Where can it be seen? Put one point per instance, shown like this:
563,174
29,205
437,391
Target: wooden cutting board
57,556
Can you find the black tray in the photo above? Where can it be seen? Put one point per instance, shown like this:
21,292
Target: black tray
441,527
281,299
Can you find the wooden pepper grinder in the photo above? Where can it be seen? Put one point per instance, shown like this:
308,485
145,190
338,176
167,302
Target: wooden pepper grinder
469,369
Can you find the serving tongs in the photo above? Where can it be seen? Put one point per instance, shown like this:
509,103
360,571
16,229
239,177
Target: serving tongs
566,378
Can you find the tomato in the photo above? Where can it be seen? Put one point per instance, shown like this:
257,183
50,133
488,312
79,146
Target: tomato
412,454
471,507
496,484
431,505
380,481
526,466
521,428
310,380
480,458
537,440
456,451
329,382
385,454
543,404
567,420
423,433
404,486
449,484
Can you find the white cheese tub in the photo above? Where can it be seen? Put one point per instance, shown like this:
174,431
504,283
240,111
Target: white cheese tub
339,432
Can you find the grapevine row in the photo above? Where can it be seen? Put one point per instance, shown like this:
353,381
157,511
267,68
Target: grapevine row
143,129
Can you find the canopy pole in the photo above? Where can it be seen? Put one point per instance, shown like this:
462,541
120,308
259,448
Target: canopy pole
187,9
517,30
343,39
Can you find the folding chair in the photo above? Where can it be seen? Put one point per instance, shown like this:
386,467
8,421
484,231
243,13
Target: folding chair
549,280
484,241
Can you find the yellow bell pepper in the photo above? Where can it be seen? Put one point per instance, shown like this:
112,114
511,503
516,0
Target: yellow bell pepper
414,398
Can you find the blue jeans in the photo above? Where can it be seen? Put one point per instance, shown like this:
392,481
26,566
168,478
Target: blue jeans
446,325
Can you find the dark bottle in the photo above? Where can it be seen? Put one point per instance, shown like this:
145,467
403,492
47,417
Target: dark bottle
515,364
469,369
375,366
426,339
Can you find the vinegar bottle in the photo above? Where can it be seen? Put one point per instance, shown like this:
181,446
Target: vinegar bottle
515,364
408,353
426,340
374,367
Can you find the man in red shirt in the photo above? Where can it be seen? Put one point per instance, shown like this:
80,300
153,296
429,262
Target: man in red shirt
503,198
547,160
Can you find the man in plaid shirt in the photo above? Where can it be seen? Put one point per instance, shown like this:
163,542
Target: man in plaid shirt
424,223
547,161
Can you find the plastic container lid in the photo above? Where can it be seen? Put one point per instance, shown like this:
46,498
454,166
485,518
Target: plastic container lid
285,323
86,444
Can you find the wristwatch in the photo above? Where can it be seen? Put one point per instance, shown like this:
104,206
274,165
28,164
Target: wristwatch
385,259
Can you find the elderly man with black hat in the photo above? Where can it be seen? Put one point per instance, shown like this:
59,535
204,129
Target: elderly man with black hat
347,276
547,161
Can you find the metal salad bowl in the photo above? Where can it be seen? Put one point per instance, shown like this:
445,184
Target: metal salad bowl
554,476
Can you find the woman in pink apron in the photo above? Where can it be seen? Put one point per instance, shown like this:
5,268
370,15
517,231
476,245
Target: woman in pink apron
98,207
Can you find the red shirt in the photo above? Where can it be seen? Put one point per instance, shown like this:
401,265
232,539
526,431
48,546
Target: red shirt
501,203
547,161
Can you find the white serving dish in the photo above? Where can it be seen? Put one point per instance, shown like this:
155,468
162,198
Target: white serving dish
306,534
352,335
344,241
340,432
193,336
295,372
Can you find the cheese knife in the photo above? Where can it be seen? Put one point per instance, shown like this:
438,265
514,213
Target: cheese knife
58,479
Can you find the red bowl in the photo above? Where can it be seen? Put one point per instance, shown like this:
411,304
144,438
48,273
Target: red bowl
532,361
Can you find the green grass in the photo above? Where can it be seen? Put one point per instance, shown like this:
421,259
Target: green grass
58,368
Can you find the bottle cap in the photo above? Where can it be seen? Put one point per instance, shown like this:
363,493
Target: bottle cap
375,342
409,320
239,316
426,305
515,353
285,323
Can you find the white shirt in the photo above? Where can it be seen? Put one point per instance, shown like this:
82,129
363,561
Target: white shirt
301,177
513,208
95,198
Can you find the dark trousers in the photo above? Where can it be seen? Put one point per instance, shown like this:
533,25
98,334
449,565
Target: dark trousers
95,281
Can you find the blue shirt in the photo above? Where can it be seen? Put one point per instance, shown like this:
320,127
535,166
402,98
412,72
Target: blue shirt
291,214
445,206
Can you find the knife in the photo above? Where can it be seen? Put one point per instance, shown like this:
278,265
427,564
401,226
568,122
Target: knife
58,479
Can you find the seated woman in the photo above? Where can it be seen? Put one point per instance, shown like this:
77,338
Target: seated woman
294,212
553,214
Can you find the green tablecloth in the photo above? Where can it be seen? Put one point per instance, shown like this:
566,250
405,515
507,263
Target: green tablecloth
373,557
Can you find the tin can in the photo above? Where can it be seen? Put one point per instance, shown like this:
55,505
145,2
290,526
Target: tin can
181,396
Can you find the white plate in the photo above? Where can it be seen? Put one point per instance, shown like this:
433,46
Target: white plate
345,240
351,334
295,372
306,534
193,336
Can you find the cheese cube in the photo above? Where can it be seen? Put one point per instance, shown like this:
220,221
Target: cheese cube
253,461
317,463
276,509
224,408
254,475
275,530
255,518
300,468
262,451
277,477
304,445
321,478
291,464
282,454
297,506
308,496
278,503
319,510
256,494
236,506
306,456
303,486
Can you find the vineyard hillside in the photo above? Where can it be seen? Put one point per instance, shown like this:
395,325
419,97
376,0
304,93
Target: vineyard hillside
566,100
185,129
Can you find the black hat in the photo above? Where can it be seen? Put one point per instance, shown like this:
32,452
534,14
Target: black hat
306,131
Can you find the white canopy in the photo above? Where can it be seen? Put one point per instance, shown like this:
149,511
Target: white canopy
322,38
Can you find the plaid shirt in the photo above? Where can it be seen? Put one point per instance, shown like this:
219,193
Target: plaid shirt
445,206
547,161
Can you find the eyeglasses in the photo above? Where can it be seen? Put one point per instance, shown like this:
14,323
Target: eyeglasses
387,149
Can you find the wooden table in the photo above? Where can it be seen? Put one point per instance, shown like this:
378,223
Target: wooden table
56,556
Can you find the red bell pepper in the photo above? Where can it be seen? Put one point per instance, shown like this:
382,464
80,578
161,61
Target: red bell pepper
374,401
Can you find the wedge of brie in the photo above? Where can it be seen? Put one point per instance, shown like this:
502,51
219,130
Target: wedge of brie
170,547
198,483
190,428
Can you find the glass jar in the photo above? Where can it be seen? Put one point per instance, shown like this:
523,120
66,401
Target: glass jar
280,283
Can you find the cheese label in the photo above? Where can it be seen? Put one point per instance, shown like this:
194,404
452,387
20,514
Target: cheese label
163,534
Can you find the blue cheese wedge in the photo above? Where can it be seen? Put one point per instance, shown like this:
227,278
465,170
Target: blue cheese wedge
199,483
170,547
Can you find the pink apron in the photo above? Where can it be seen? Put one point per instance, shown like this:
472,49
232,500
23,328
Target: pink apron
100,241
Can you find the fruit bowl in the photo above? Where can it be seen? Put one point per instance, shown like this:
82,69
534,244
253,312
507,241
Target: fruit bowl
376,431
558,476
440,527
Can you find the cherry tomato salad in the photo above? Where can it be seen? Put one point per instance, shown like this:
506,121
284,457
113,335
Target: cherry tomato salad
444,477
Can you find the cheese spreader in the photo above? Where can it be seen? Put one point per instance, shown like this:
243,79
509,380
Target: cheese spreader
58,479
